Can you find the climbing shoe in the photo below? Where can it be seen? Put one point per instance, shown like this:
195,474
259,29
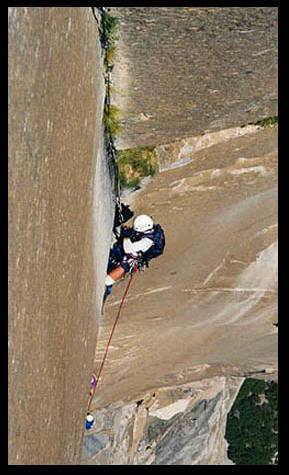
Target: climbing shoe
107,292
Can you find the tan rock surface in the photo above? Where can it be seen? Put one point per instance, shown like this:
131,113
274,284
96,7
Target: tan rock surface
59,194
204,310
207,306
183,71
201,315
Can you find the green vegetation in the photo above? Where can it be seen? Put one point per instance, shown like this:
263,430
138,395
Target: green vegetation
111,121
135,164
268,122
109,25
110,55
252,424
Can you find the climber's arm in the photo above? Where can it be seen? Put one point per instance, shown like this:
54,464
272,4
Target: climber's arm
133,248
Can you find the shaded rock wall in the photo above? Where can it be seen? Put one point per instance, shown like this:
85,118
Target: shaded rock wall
59,199
183,71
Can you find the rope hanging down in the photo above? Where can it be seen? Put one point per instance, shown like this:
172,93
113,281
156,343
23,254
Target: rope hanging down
110,338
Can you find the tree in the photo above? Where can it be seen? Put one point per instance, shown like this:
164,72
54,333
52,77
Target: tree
252,424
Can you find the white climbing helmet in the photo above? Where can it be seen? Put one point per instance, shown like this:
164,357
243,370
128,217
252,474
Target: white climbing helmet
143,223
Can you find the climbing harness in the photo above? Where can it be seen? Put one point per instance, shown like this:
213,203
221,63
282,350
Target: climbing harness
95,379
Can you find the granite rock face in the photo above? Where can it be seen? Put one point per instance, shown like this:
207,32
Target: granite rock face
182,152
202,315
208,305
59,193
179,425
183,71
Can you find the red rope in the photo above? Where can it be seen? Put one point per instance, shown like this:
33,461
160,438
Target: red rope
109,340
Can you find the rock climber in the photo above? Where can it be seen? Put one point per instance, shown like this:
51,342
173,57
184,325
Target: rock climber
134,248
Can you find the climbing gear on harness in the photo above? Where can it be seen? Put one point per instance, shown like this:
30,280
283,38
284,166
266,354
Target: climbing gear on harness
143,223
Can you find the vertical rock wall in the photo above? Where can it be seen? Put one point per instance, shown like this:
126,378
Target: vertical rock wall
183,71
59,199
